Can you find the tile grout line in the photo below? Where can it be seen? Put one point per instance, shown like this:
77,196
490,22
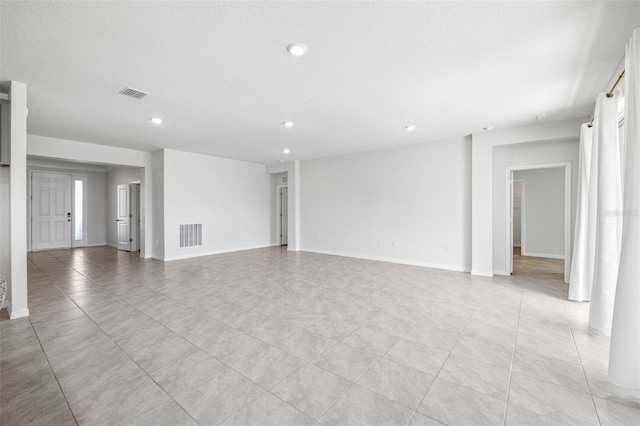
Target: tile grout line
52,372
513,356
127,354
586,379
310,362
475,308
355,382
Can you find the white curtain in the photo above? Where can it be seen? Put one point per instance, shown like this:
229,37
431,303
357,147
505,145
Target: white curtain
624,356
584,237
607,179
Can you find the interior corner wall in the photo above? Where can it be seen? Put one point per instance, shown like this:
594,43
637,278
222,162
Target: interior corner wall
157,166
544,212
231,199
408,205
524,154
115,177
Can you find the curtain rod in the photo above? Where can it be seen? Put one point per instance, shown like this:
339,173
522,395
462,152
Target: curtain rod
610,94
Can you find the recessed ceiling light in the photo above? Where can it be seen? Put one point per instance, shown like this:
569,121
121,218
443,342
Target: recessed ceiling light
156,120
410,128
488,128
286,150
297,49
282,161
288,124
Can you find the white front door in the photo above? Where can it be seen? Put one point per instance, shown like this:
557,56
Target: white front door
284,216
123,217
50,211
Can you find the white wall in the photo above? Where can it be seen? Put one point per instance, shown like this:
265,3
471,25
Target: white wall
544,212
116,177
402,204
232,199
521,155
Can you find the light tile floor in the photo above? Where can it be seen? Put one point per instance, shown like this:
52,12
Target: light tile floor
275,337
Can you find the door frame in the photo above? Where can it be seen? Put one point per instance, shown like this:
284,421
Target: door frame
567,211
135,222
510,221
278,213
522,214
74,176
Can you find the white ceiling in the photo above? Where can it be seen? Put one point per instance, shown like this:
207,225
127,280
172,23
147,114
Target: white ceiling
219,74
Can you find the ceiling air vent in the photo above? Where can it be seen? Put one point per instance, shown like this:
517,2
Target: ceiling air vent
128,91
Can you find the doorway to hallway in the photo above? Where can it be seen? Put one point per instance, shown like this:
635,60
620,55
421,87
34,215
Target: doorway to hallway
539,220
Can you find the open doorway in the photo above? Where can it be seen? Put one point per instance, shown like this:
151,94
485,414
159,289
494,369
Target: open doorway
539,225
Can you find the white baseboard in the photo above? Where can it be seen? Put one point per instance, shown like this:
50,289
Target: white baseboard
500,272
210,253
21,313
96,244
545,255
480,273
390,260
160,258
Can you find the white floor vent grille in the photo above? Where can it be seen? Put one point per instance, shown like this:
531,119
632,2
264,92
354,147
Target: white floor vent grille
191,235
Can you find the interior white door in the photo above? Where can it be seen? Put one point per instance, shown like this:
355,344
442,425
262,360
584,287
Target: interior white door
284,216
50,211
123,217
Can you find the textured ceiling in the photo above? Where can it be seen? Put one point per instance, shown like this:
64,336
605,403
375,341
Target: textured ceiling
219,74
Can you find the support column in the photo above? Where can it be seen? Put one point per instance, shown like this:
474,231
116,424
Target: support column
18,201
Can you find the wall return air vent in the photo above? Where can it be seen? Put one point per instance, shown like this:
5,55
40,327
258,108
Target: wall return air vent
133,93
191,235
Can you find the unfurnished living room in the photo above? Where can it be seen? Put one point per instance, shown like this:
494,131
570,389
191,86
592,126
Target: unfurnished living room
320,212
